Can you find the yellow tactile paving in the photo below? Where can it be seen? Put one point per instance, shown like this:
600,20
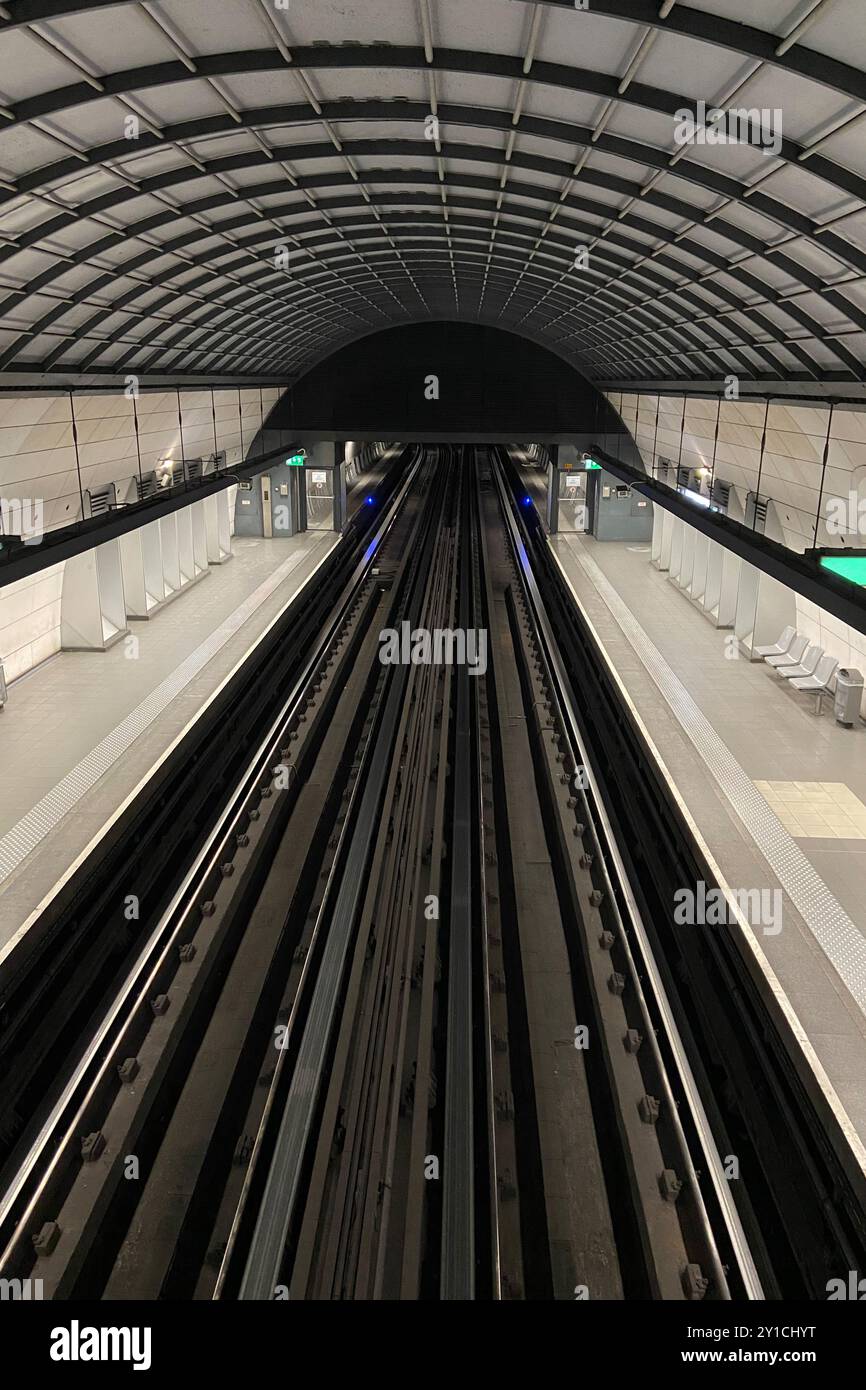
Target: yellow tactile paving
817,810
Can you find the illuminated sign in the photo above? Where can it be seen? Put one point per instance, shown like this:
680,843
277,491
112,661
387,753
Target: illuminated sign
296,460
850,567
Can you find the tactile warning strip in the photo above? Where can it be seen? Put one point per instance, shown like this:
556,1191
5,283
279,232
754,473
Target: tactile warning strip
836,934
46,815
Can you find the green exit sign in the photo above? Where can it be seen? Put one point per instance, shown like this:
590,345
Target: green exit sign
850,567
591,463
296,461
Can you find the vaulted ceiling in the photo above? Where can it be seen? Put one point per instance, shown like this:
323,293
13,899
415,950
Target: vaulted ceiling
243,186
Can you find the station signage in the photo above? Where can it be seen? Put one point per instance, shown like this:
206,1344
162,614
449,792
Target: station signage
850,567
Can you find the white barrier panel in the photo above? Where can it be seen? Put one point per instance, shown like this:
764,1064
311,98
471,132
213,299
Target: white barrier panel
199,536
218,527
699,568
170,561
687,557
764,608
658,530
92,607
185,557
675,551
720,590
141,561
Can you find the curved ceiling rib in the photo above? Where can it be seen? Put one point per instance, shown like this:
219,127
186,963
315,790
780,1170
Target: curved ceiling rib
257,131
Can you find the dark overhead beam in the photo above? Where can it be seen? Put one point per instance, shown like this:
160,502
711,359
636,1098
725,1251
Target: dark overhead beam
851,393
112,379
846,601
66,541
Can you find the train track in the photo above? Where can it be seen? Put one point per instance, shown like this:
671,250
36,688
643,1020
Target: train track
405,1026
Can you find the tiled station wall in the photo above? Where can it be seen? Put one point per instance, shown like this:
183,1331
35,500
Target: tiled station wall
38,454
38,461
786,444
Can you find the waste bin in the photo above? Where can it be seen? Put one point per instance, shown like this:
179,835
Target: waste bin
849,693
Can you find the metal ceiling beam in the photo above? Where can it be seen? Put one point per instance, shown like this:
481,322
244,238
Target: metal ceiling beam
808,228
758,287
582,81
523,68
705,27
752,244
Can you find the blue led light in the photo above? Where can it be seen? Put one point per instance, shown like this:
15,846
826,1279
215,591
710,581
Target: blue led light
527,501
370,501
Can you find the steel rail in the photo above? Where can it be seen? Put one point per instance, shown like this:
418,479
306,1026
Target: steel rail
619,890
365,1065
412,1237
457,1271
62,1128
232,1256
345,884
392,989
346,1214
484,611
440,610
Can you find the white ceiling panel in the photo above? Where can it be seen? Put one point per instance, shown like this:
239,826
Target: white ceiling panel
528,66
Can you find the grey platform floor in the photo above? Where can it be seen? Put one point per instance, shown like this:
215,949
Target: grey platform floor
82,731
721,725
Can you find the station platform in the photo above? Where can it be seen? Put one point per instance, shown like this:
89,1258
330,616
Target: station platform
82,732
776,793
